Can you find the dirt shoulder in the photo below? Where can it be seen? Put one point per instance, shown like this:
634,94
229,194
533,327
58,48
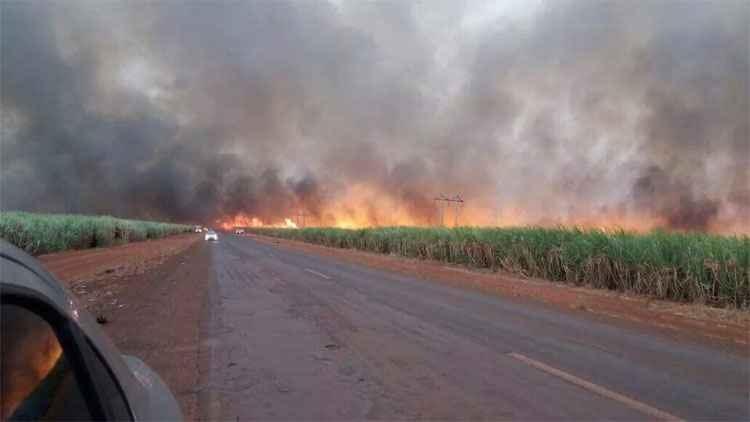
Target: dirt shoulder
128,259
722,327
152,295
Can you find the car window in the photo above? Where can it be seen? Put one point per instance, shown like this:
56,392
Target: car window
36,379
108,388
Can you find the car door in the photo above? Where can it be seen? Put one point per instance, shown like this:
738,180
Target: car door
48,368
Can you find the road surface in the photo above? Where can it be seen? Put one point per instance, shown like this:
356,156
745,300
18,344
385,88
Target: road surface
294,336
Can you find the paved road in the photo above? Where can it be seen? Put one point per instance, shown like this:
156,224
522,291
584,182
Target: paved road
294,336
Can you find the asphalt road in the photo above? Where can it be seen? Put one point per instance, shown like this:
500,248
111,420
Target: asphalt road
293,336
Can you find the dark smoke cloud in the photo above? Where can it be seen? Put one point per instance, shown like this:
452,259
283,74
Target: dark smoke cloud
560,113
656,192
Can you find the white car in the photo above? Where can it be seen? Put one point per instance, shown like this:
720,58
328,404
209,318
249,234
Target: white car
198,229
239,231
211,235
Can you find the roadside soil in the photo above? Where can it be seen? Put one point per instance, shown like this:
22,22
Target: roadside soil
727,328
128,259
150,297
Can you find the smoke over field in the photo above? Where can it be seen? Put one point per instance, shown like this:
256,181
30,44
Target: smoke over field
354,113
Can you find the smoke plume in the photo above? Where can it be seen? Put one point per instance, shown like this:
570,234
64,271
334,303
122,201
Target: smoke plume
357,113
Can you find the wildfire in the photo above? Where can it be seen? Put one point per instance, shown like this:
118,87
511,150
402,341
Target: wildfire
356,208
288,223
244,220
361,218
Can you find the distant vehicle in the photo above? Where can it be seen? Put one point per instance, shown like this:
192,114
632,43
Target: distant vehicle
239,231
198,229
57,363
211,235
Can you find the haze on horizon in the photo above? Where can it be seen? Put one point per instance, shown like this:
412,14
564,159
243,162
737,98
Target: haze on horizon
616,113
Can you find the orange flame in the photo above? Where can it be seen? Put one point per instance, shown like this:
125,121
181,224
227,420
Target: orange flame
363,205
243,220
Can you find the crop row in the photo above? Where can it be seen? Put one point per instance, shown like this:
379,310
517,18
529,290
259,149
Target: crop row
685,267
45,233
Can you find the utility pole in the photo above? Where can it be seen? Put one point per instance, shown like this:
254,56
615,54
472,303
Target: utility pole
458,202
440,201
444,201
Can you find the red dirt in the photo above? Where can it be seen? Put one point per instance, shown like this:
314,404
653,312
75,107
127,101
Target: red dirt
136,257
723,327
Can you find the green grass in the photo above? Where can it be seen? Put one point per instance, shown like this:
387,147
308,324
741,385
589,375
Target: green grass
684,267
44,233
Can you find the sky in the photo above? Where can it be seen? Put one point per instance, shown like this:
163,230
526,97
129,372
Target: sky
631,114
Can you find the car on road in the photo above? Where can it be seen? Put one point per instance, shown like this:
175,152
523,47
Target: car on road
211,235
239,231
198,229
57,363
